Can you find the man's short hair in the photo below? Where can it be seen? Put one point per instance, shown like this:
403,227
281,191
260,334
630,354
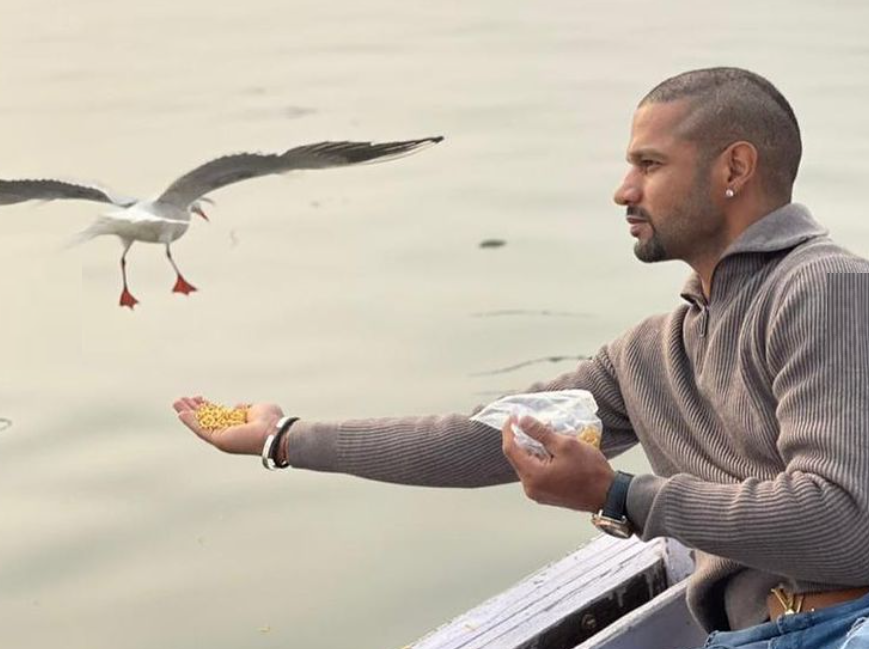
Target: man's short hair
732,104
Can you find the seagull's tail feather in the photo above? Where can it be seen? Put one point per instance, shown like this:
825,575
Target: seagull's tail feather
103,225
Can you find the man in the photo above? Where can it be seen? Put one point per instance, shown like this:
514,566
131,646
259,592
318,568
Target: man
751,400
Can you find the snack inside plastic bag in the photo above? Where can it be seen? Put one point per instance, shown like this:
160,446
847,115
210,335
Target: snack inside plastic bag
567,412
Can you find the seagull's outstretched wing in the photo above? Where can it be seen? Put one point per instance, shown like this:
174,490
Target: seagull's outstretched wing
234,168
18,191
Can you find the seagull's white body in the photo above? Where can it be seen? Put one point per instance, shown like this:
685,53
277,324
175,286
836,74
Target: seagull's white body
146,221
166,218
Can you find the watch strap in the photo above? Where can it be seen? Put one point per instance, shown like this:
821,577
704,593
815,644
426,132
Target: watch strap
616,505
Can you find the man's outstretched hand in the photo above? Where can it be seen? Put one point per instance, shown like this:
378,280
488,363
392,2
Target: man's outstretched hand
247,438
575,476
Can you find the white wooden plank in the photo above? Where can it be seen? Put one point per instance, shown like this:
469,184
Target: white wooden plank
518,615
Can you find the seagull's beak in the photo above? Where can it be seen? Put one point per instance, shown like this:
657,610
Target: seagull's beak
198,210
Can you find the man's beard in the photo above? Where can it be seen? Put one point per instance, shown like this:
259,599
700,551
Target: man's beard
681,227
652,249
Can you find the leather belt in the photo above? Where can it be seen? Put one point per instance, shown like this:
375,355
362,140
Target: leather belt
803,602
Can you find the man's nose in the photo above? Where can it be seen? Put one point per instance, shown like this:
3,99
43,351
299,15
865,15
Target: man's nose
627,193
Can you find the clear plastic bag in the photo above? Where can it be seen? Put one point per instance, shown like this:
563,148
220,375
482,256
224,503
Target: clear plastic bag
567,412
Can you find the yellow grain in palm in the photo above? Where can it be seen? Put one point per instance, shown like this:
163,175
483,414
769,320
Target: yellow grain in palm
212,416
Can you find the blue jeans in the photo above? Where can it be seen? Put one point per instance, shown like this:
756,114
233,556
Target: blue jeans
844,626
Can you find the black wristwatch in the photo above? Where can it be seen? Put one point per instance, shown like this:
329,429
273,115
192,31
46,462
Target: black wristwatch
613,518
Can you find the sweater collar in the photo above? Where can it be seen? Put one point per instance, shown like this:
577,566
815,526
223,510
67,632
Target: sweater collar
781,229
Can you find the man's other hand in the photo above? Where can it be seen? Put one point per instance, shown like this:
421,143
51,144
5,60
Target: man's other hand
575,475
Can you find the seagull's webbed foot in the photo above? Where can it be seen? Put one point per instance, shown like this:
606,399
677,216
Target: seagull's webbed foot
127,299
182,286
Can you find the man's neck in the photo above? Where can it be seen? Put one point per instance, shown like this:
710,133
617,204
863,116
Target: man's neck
738,221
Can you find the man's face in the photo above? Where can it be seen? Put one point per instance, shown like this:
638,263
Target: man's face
667,189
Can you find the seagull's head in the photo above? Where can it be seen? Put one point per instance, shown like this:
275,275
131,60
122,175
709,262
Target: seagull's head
196,208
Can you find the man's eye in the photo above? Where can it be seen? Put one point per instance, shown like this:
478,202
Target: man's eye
647,165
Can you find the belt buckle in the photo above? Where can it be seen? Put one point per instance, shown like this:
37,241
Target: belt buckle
790,602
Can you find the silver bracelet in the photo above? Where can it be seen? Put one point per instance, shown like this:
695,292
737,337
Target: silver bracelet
273,442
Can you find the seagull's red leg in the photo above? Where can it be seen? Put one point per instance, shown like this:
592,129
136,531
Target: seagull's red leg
181,284
127,298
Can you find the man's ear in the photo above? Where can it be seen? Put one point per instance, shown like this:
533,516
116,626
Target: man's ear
739,164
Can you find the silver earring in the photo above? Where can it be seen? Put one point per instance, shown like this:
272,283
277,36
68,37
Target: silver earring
729,193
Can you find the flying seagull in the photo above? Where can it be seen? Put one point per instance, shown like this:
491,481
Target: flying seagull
167,217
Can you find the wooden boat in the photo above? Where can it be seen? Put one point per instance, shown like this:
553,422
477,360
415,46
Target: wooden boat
610,594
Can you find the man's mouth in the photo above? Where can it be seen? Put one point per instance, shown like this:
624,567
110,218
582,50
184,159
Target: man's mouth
636,221
635,215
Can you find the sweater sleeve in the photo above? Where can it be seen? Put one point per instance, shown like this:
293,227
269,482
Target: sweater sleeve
448,450
811,522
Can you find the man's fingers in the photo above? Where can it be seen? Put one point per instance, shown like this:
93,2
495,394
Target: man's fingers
520,459
183,404
508,440
536,429
188,418
188,403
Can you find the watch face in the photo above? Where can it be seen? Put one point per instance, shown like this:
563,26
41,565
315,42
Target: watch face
613,527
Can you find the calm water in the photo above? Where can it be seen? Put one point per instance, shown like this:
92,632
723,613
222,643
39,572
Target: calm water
338,293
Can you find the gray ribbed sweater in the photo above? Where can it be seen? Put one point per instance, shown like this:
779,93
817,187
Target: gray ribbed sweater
753,409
